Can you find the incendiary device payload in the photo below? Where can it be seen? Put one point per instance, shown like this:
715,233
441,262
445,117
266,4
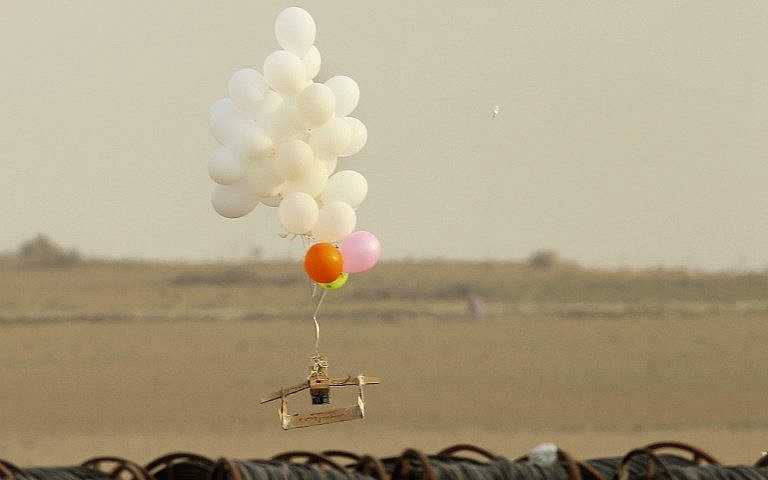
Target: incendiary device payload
319,384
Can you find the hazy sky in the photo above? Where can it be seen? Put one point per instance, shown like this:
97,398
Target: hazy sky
630,133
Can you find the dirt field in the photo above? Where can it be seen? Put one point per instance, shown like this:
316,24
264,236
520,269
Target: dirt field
594,386
139,359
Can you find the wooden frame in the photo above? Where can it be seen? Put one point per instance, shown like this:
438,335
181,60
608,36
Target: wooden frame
319,383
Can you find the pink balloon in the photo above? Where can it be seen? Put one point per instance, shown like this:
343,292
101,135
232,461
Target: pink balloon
360,250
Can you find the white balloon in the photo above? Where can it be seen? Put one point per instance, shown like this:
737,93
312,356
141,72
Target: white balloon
273,102
226,121
285,124
316,104
335,221
330,164
285,72
312,183
233,201
359,136
272,201
347,94
263,180
254,143
331,138
226,167
292,99
298,213
248,90
304,136
346,186
295,30
312,62
293,159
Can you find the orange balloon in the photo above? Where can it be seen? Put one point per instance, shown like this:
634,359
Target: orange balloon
323,262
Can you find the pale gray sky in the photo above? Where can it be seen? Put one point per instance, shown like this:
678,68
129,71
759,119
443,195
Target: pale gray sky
630,133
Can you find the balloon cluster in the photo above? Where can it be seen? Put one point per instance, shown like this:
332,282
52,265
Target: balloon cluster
282,134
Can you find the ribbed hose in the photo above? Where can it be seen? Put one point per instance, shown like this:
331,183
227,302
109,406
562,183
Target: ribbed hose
67,473
180,466
460,462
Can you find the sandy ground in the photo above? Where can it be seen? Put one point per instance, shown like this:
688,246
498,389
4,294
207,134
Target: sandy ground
594,386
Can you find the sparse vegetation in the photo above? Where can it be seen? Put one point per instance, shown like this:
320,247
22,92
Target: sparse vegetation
232,274
543,259
38,282
41,251
273,290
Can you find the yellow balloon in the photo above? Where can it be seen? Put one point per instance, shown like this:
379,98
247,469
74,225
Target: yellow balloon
336,284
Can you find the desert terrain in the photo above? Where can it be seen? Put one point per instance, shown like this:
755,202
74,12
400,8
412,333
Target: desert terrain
139,359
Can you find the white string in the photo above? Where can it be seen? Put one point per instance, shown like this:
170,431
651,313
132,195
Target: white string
316,302
314,318
306,241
